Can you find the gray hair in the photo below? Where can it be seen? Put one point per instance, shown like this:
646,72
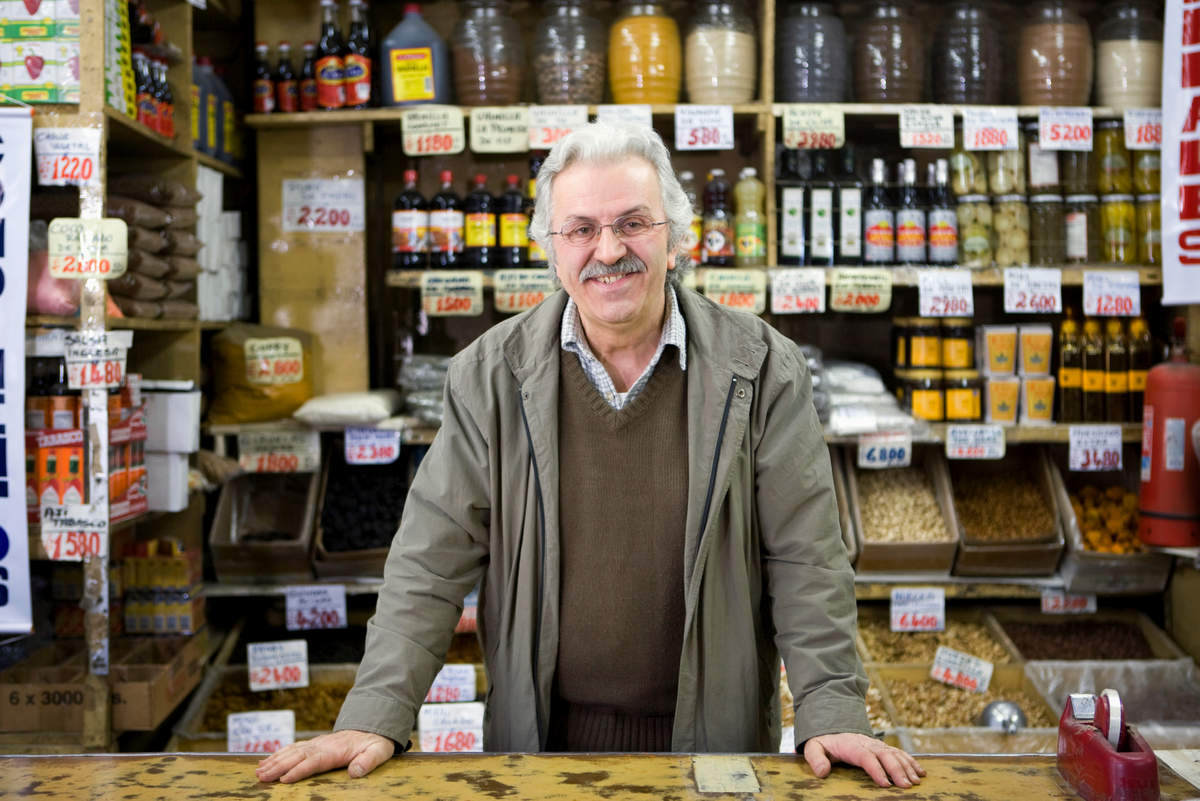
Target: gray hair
601,142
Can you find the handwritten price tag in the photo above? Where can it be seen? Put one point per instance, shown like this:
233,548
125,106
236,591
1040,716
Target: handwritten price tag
260,732
990,128
96,359
961,670
371,445
67,156
945,293
926,126
877,451
1143,128
499,129
974,442
451,727
1094,447
548,124
323,206
273,360
454,684
1056,602
279,451
518,290
1065,128
813,126
316,606
703,127
433,130
1032,290
860,289
743,290
634,114
798,290
1111,293
87,248
918,609
452,293
277,665
72,532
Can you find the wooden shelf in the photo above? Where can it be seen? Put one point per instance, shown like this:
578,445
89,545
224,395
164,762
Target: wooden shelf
878,586
118,323
893,109
219,166
1055,433
415,434
218,589
127,137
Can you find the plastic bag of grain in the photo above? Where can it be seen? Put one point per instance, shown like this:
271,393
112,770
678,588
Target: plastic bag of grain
260,373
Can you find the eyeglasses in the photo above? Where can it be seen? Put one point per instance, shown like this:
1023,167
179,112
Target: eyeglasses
632,226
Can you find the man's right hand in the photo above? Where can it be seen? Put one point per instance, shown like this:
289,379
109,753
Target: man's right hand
362,751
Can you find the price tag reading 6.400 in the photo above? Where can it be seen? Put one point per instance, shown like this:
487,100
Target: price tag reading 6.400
918,609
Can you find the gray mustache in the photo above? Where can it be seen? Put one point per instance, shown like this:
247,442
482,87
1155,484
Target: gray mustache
628,263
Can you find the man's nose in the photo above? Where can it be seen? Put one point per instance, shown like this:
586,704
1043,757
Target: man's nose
609,246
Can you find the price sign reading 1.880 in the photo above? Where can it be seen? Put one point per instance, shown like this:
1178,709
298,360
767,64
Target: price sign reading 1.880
1143,128
989,128
1065,128
372,445
703,127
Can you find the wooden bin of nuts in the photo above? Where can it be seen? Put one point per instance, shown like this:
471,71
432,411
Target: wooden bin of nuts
1008,521
903,517
877,715
1105,635
969,630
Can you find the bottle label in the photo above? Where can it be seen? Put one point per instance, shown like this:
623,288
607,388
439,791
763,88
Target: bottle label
212,122
446,231
791,234
481,230
536,254
331,87
927,404
410,231
880,237
956,354
1070,377
850,224
357,72
1076,225
963,404
751,240
1137,380
264,96
287,96
147,113
1043,167
1116,383
229,122
821,222
718,239
943,236
910,235
1093,380
166,120
308,94
195,114
412,74
925,351
514,230
692,239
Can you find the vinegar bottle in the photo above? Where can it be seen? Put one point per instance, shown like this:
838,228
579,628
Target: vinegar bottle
750,222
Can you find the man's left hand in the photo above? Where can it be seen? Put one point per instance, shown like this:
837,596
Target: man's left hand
883,763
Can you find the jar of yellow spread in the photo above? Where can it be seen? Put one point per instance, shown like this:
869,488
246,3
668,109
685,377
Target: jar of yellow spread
925,395
645,59
1003,398
958,343
963,395
1037,343
1037,400
924,342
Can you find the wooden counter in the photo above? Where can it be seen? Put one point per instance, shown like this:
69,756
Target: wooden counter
520,777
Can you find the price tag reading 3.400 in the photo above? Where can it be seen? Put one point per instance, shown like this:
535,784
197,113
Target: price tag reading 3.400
372,445
918,609
1094,447
452,293
799,290
316,606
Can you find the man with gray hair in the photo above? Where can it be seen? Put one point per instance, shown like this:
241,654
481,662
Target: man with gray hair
637,480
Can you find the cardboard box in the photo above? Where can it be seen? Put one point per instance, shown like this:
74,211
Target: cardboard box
259,504
167,481
172,421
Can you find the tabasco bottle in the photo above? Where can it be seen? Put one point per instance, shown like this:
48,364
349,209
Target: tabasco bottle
264,82
308,78
287,92
330,66
358,57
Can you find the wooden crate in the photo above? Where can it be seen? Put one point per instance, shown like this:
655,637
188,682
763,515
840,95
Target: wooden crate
1004,677
879,613
1162,646
289,502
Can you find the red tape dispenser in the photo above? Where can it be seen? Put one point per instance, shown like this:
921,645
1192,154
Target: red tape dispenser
1098,754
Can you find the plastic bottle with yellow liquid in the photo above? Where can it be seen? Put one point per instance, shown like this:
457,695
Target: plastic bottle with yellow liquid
750,222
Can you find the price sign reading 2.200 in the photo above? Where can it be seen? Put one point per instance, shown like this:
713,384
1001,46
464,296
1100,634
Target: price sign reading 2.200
323,205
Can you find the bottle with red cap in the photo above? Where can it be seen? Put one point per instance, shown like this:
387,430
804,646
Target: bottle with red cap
514,226
264,82
287,93
308,78
480,220
410,227
330,64
445,225
166,100
147,112
415,64
358,57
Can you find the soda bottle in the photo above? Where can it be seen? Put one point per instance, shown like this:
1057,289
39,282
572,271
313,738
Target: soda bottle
287,93
308,78
690,247
147,111
358,57
750,222
410,227
910,218
264,83
849,211
330,66
445,225
879,221
820,213
943,219
514,226
166,100
718,248
480,221
791,209
537,255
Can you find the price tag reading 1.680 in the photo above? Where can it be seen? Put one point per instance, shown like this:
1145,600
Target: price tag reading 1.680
451,727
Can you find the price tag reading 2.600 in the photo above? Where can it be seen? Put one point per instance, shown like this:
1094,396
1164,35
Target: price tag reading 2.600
452,293
1032,290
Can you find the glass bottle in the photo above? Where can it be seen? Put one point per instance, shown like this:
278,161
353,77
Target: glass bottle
514,226
410,227
821,237
910,218
445,225
1006,169
1147,172
1010,221
1111,159
879,220
1054,56
537,254
287,92
1118,228
943,219
1078,177
889,56
1149,229
146,112
330,64
1129,55
1081,224
790,202
849,211
1042,163
1093,372
645,57
718,247
691,242
357,68
975,234
967,173
569,55
308,77
810,55
480,223
488,51
967,60
721,54
1046,230
1116,372
1141,349
166,100
750,223
1070,370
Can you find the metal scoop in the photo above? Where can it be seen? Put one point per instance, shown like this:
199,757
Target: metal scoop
1003,715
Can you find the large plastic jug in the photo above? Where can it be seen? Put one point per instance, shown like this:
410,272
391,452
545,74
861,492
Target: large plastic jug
414,63
212,117
230,146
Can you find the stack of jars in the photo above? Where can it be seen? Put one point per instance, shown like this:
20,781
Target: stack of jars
934,368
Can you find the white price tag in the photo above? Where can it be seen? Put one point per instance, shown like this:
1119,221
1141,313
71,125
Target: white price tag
1057,602
548,124
323,206
990,128
316,606
799,290
860,289
454,684
96,359
633,114
74,531
945,293
371,445
743,290
1143,128
452,293
518,290
277,665
87,248
451,727
974,442
961,670
67,156
927,126
433,131
499,129
1065,128
1094,447
273,360
703,127
279,451
813,126
877,451
260,732
918,609
1032,290
1111,293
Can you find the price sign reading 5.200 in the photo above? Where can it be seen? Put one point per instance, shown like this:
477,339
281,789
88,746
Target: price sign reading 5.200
1065,128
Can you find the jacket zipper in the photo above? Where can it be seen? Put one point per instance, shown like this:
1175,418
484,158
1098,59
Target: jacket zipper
712,476
537,628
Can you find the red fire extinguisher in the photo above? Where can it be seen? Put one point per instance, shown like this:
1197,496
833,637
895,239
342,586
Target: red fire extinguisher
1169,502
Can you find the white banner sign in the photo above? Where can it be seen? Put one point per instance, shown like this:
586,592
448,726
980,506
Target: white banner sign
16,135
1180,157
324,206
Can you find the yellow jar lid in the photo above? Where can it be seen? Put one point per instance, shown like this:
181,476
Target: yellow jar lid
956,322
961,375
924,375
924,322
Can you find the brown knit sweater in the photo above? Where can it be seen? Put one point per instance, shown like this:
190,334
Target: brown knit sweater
623,506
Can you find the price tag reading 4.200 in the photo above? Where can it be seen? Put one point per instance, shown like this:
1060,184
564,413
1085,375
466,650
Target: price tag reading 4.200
877,451
961,670
704,127
1032,290
260,732
945,293
1094,447
372,445
277,665
451,727
918,609
1111,293
316,606
1065,128
87,248
452,293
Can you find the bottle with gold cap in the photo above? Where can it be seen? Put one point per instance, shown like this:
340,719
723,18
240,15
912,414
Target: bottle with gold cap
1140,352
1116,372
1070,370
1093,372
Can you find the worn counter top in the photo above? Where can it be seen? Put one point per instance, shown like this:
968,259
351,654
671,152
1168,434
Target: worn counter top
518,777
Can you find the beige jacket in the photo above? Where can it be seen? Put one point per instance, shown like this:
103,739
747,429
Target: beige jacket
765,570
